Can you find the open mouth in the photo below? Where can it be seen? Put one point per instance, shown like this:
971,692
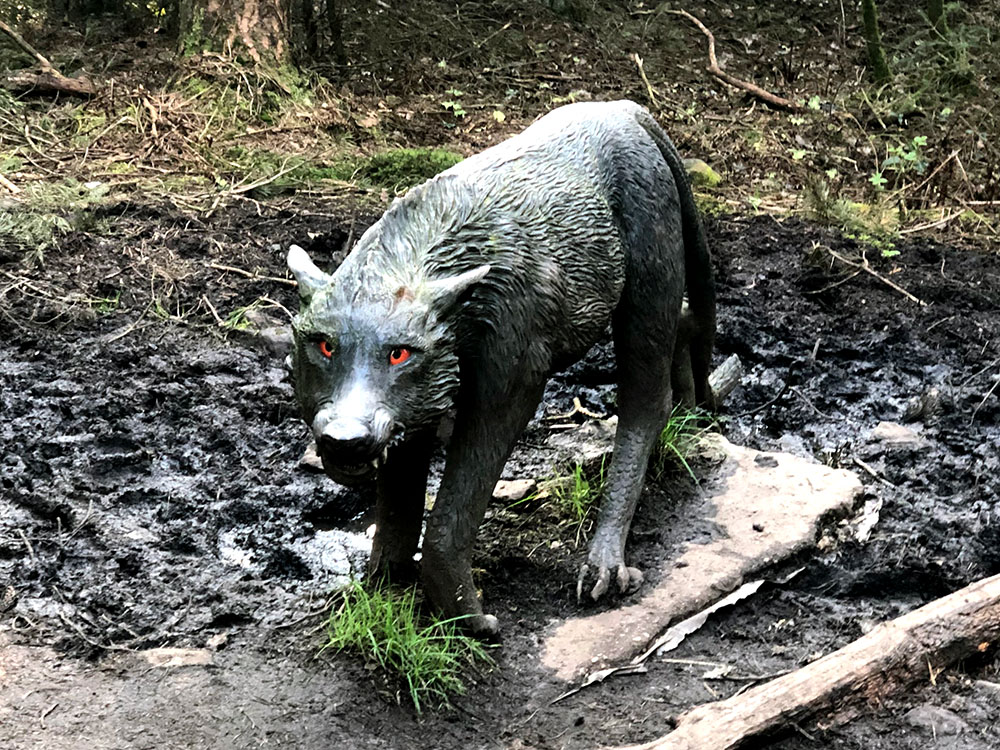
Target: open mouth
352,473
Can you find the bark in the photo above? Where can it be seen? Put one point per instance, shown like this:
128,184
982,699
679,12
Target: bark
897,654
254,29
873,40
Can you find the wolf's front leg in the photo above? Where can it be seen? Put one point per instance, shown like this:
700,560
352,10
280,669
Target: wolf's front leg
488,423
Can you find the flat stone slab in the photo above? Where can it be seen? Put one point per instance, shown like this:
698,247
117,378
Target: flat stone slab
767,507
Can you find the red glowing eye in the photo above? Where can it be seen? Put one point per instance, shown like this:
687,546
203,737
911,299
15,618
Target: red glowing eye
324,349
399,355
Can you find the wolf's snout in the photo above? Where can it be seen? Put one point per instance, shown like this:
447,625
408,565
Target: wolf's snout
348,441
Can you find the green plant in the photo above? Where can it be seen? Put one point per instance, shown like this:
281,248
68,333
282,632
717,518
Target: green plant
902,159
678,438
107,305
577,495
383,626
455,105
33,231
873,224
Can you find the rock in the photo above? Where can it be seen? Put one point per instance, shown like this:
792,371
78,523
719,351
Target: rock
700,174
178,657
936,720
217,641
512,490
767,507
269,331
894,435
277,339
587,445
310,460
796,446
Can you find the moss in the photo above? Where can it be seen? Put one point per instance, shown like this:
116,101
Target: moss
709,205
402,168
700,174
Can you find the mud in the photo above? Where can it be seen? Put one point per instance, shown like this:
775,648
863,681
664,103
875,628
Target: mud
150,495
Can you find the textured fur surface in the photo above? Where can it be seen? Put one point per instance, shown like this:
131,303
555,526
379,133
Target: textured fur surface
491,276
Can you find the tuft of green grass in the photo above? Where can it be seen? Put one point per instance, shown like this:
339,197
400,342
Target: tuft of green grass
677,440
576,493
428,657
107,305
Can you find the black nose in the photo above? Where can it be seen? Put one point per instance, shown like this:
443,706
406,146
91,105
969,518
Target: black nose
348,441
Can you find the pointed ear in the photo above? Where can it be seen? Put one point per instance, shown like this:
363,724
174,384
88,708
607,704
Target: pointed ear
443,293
306,273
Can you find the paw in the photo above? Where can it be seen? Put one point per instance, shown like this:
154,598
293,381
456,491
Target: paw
627,579
483,627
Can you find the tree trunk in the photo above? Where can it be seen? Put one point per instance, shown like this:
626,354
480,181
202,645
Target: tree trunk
876,52
333,16
253,29
935,14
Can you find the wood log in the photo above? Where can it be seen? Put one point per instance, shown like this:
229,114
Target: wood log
896,654
46,82
726,377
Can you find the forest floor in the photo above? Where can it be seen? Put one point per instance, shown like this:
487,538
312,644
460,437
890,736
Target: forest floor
150,490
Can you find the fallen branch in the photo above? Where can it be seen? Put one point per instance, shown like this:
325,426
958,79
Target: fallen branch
846,683
43,82
713,67
869,270
934,174
50,79
933,224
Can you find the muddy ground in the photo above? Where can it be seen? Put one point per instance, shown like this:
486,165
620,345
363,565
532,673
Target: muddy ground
150,495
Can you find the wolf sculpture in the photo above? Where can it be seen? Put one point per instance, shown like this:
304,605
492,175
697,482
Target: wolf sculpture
468,293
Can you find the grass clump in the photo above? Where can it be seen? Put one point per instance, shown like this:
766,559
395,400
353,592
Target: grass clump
677,440
576,493
428,657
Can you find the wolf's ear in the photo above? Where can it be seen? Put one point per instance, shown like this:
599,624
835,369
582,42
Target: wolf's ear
443,293
306,273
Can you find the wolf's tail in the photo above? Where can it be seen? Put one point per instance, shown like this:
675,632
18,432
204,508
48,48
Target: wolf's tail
699,276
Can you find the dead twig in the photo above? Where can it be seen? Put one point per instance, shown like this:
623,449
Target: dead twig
869,270
578,408
772,402
871,471
253,276
96,644
27,544
11,187
996,382
215,313
932,224
642,74
713,67
934,173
